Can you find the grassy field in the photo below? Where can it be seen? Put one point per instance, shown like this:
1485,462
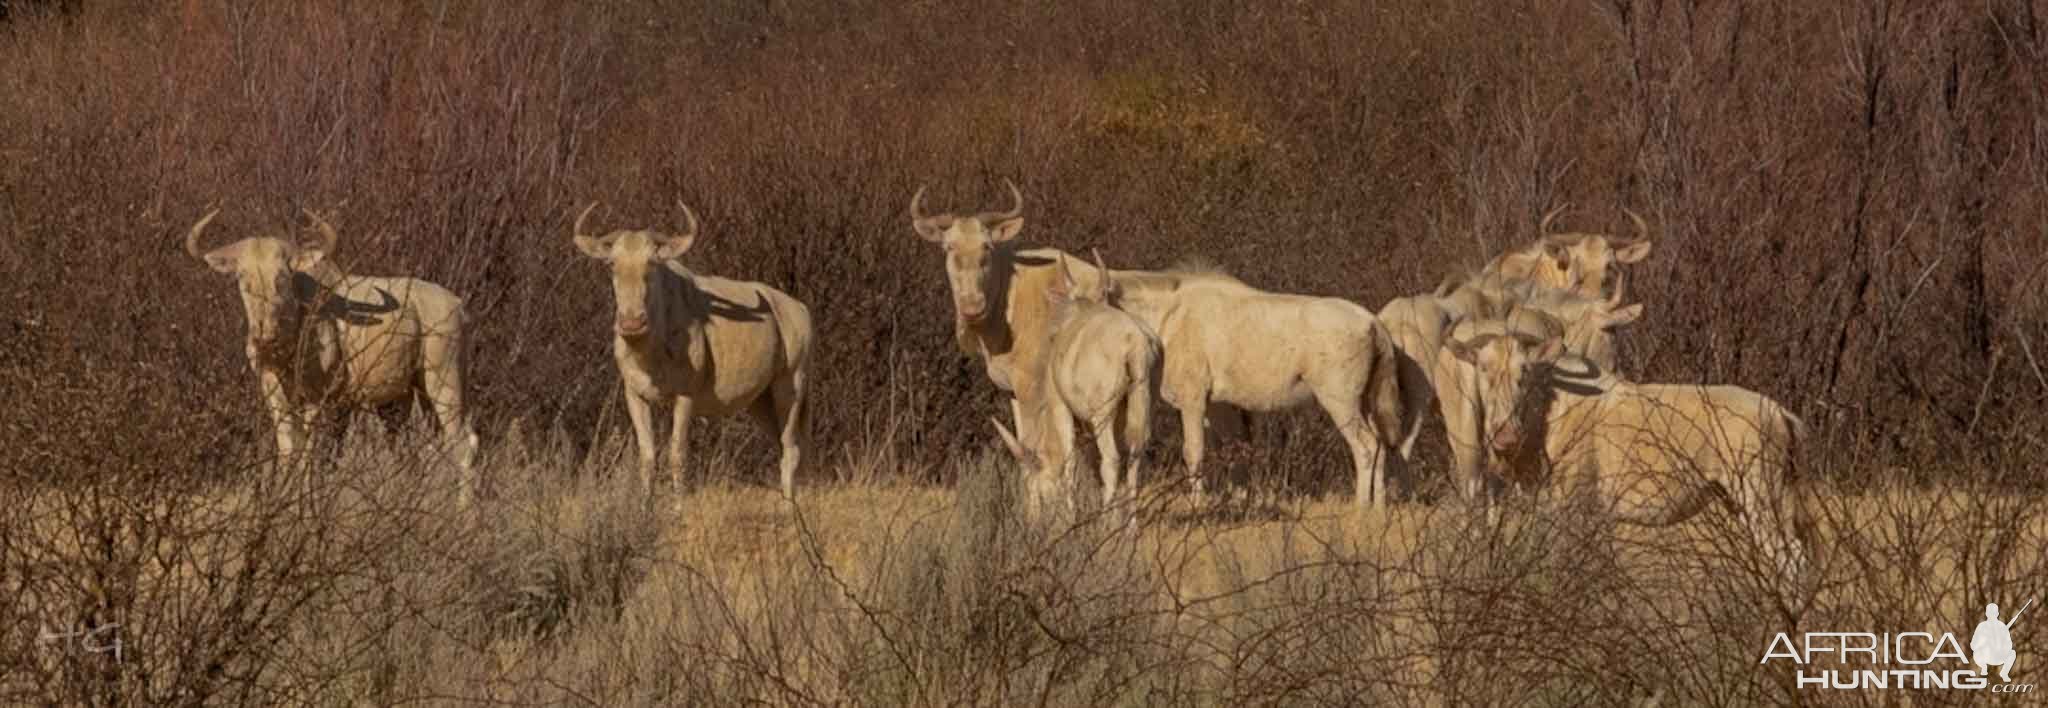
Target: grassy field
359,584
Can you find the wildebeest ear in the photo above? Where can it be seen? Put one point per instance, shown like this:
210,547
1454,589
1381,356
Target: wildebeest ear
226,258
1006,229
598,248
674,247
932,228
1633,252
1062,287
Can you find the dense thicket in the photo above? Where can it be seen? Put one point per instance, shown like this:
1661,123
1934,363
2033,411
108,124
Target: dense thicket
1847,198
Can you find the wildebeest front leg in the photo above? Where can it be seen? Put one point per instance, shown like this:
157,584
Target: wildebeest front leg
640,411
283,416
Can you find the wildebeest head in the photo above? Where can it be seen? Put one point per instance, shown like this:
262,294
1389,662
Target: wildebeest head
1588,323
1581,262
1067,290
970,243
266,269
1500,367
638,259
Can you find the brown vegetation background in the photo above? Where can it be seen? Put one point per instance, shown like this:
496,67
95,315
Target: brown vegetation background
1847,200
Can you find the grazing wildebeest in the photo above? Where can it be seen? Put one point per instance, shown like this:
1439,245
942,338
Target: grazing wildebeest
1642,454
321,340
709,346
1100,367
1228,342
1574,262
1000,310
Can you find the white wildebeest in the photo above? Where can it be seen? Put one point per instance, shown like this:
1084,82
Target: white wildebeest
1000,310
1420,323
320,338
1573,262
1228,342
1642,454
708,346
1100,367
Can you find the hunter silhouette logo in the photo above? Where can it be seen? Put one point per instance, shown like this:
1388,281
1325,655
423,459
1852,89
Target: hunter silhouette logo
1991,644
1918,660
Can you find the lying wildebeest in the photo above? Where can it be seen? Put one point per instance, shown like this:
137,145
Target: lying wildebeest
1643,454
1228,342
1100,367
1000,310
710,346
323,342
1419,324
1574,262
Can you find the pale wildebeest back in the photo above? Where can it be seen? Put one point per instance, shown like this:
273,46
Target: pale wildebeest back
1101,367
707,346
1000,310
1574,262
324,342
1227,342
1656,454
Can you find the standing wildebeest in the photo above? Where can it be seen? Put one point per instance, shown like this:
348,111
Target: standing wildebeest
1100,367
319,337
1419,324
1228,342
710,346
1000,310
1575,262
1642,454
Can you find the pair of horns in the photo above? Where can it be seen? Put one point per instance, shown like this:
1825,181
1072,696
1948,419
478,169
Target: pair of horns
1642,227
328,238
1016,205
689,217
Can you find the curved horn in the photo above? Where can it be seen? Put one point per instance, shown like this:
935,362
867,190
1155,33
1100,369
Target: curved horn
192,237
689,216
917,204
1620,289
577,230
1016,204
327,236
1642,228
1544,226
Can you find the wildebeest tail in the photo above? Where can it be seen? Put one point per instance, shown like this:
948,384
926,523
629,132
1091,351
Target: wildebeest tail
1383,386
1142,373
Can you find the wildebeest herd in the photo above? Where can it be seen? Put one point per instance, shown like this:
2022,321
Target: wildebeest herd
1517,359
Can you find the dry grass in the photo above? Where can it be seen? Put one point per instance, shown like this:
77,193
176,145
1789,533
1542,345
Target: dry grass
574,588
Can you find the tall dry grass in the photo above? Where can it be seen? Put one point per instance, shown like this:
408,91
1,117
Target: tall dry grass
1846,201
